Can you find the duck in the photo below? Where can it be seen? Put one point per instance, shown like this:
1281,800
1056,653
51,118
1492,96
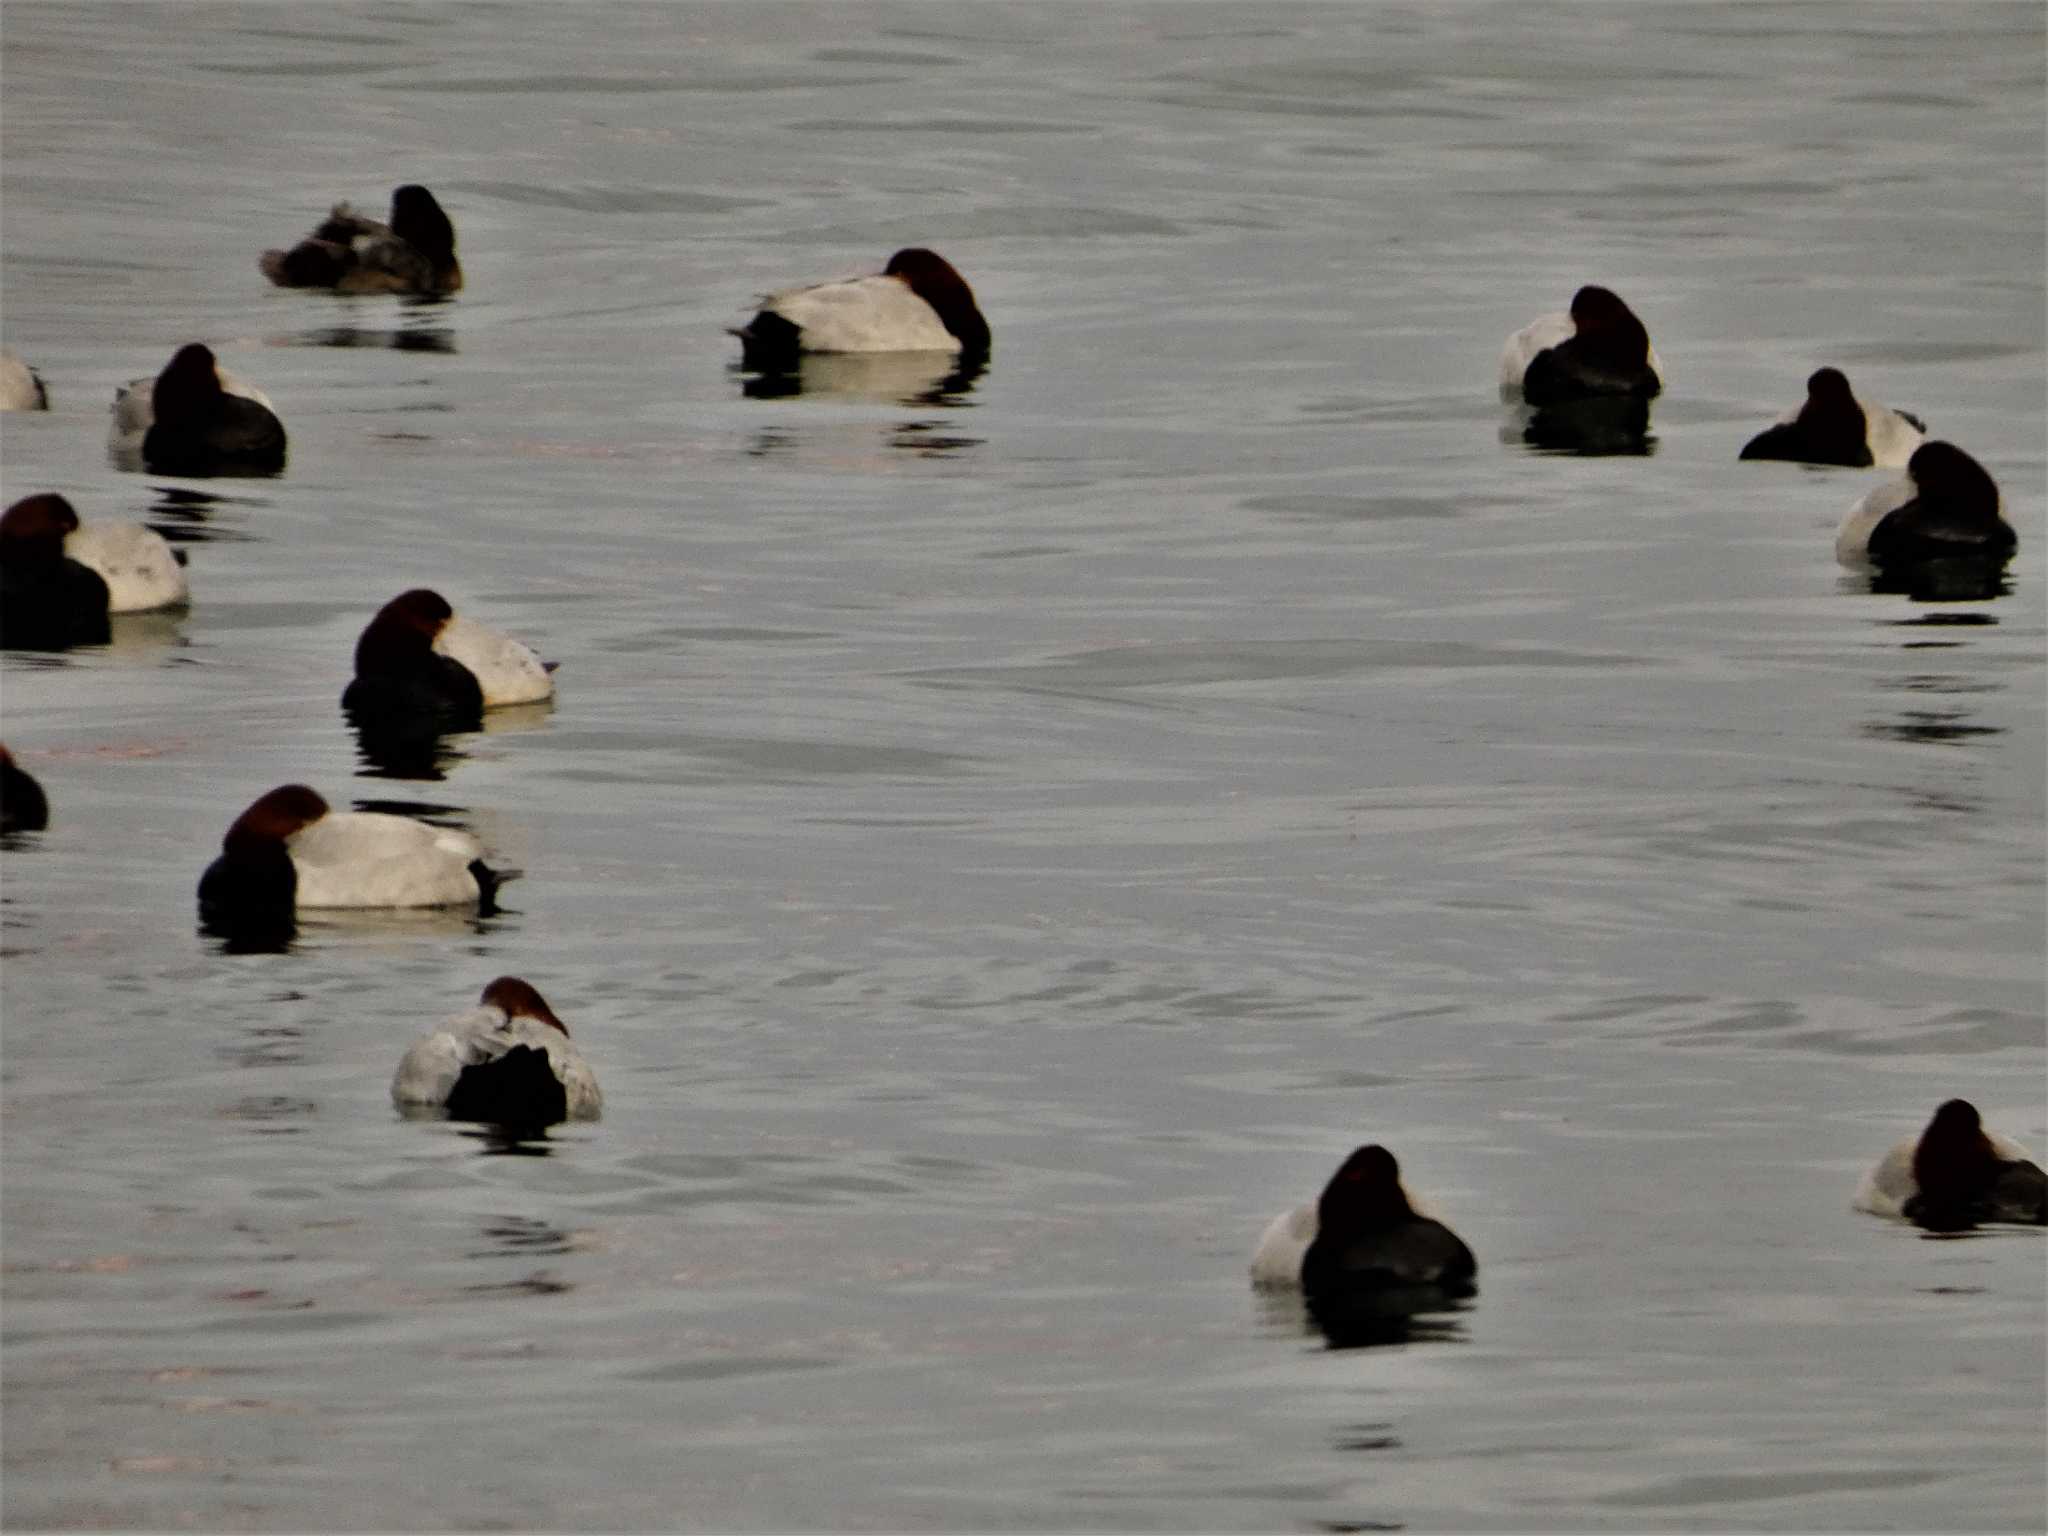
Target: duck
1363,1235
141,571
1834,427
49,600
1947,507
288,852
917,303
508,1061
196,418
351,253
23,805
418,660
1954,1175
21,387
1598,350
62,578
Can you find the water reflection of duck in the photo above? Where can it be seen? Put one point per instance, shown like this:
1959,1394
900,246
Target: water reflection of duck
1956,1174
917,303
351,253
1832,426
897,378
508,1061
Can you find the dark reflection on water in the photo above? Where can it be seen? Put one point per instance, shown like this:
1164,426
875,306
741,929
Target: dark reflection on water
411,339
539,1283
924,440
1937,726
1415,1315
513,1236
1365,1437
240,935
127,457
900,378
412,752
1599,428
1960,580
1945,620
452,816
508,1141
183,515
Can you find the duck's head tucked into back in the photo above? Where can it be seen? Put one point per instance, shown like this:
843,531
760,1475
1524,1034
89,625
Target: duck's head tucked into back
48,601
932,278
253,885
288,852
1363,1235
137,570
1962,1179
1598,350
1955,1175
199,425
1832,426
1369,1237
917,303
401,678
508,1062
421,664
351,253
1947,508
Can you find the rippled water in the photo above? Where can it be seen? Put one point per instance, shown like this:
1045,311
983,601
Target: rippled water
1001,839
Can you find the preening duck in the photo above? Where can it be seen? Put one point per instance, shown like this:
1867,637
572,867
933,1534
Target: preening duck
917,303
351,253
508,1061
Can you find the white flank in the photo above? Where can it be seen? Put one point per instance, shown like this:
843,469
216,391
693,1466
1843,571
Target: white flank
1852,539
1277,1260
508,671
1539,335
137,565
18,391
863,314
371,859
1891,437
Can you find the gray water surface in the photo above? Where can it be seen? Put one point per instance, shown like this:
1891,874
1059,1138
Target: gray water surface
999,844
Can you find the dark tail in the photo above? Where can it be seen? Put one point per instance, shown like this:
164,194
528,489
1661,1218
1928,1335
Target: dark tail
518,1089
770,343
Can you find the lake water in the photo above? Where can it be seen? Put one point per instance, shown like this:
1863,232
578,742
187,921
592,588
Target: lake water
998,846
